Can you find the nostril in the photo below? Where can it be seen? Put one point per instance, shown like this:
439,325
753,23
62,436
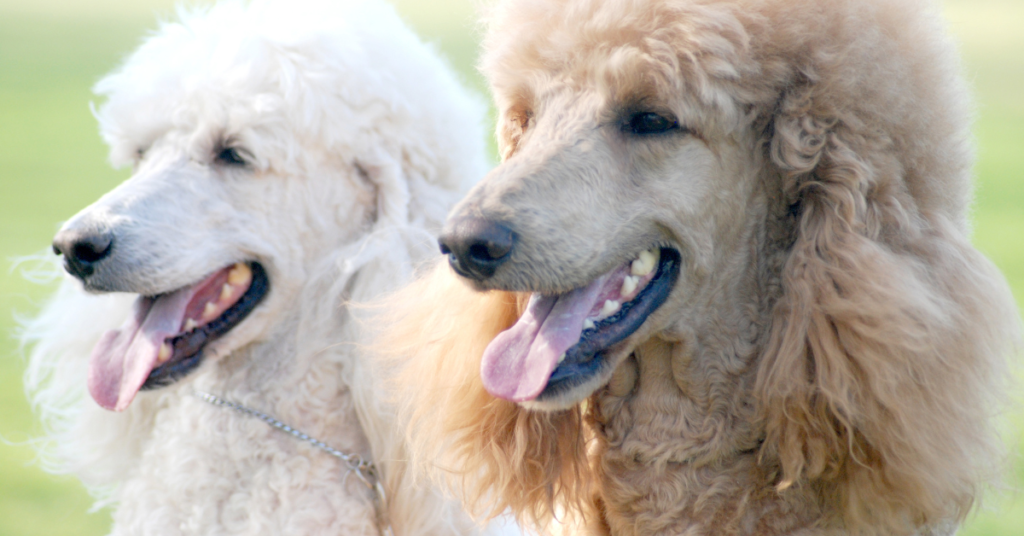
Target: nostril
91,250
489,251
479,253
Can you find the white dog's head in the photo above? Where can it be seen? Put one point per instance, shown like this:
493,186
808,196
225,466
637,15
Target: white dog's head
263,138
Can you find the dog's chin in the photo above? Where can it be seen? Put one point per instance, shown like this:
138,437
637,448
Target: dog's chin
565,396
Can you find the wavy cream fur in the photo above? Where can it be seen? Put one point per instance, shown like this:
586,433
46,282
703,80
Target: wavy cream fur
359,138
827,362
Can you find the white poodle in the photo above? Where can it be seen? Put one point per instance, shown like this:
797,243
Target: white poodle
288,158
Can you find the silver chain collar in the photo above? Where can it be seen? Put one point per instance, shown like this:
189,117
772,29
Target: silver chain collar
364,470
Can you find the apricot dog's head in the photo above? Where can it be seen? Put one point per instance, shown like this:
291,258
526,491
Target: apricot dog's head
779,186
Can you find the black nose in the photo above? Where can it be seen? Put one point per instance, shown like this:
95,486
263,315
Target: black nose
476,247
82,250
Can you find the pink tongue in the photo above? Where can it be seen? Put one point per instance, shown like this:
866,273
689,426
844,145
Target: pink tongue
518,362
123,359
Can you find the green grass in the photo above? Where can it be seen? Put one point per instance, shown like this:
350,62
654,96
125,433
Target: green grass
52,163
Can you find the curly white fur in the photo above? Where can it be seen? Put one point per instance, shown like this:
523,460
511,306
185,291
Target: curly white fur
358,138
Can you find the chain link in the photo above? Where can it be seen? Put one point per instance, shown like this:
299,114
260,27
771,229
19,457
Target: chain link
364,470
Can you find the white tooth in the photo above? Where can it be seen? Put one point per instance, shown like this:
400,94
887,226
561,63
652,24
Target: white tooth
610,306
639,268
629,285
588,324
650,258
561,358
190,324
165,352
645,262
209,311
225,292
240,274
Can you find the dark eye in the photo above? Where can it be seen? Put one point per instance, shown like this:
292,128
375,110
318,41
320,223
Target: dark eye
230,156
650,123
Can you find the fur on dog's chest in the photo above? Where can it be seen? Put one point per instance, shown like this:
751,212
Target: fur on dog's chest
673,454
661,408
255,478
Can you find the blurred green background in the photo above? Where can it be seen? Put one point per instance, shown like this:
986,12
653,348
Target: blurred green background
52,163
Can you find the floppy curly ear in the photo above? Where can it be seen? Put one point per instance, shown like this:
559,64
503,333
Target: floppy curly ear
887,343
496,454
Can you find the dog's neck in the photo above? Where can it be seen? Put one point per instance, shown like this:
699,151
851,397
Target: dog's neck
684,425
679,416
282,377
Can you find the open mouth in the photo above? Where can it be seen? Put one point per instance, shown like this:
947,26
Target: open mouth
560,340
164,339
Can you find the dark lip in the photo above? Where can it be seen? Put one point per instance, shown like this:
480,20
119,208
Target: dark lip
586,358
188,347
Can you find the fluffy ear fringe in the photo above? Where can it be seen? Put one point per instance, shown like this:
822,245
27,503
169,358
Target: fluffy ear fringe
495,454
879,370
